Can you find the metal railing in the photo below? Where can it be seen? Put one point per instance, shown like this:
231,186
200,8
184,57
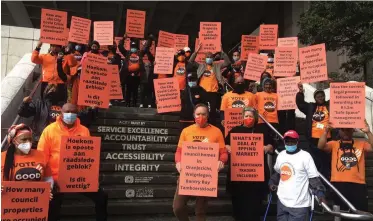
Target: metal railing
357,215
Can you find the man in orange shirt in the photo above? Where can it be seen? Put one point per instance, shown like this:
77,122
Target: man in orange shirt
348,165
180,65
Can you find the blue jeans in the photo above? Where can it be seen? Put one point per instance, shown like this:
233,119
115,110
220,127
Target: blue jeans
292,214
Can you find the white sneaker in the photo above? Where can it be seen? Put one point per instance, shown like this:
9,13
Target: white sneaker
141,105
110,104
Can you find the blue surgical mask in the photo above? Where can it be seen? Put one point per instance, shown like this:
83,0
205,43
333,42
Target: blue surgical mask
69,118
192,83
290,148
209,60
133,50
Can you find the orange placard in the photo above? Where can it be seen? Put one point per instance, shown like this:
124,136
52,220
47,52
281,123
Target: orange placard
135,23
288,42
312,61
103,32
115,86
181,41
268,37
164,60
166,39
199,169
255,66
285,63
249,44
347,105
80,29
79,164
287,89
24,200
96,59
247,157
167,94
53,27
210,36
232,118
94,85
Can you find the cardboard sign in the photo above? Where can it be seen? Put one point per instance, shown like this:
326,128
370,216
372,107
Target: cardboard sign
53,27
135,23
79,164
103,32
255,66
115,86
347,105
312,61
80,29
232,118
167,94
181,41
164,60
25,200
199,169
249,44
285,62
288,42
97,59
94,85
287,89
247,157
166,39
210,36
268,37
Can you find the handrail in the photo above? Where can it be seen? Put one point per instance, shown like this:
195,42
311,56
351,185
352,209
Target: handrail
360,215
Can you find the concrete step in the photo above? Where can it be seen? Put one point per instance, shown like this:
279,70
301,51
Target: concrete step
137,116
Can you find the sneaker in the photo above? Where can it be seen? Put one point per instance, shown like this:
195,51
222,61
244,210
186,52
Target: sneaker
141,106
110,104
149,106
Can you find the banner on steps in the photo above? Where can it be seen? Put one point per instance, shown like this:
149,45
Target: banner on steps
232,118
79,164
199,169
287,89
247,157
167,94
25,200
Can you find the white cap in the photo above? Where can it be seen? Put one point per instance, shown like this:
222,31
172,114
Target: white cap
187,49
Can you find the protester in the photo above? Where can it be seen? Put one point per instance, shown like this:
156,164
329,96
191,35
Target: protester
67,124
180,65
201,131
247,197
263,76
236,69
348,165
188,53
147,98
295,173
112,56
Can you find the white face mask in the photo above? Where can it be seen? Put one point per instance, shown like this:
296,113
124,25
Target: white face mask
24,147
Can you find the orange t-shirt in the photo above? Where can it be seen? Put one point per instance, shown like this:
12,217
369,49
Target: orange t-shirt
348,166
209,134
209,81
30,167
320,120
234,100
267,106
179,74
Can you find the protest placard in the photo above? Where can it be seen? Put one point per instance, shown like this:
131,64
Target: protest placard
232,118
80,29
210,36
199,169
166,39
249,44
94,85
347,105
53,27
285,63
268,37
167,94
96,59
287,89
79,164
103,32
247,157
115,87
255,66
288,42
135,23
312,61
24,200
181,41
164,60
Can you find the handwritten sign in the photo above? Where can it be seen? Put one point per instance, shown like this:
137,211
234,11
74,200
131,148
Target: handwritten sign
164,60
285,64
167,94
247,158
249,44
199,169
25,200
80,29
166,39
181,41
232,118
210,36
287,89
313,64
268,37
288,42
255,66
79,164
115,87
93,58
347,105
135,23
103,32
53,27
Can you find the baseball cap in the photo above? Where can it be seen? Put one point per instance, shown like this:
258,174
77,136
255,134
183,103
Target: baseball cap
187,49
291,134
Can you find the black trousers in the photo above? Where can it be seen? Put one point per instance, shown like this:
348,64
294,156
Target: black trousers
132,88
146,94
212,98
99,198
286,119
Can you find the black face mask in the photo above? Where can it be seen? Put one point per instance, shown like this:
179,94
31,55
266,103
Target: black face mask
239,88
94,51
52,96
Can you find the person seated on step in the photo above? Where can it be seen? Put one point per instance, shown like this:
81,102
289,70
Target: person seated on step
201,131
348,165
247,197
295,173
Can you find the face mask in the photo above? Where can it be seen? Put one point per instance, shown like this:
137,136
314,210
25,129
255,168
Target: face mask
209,60
270,60
249,122
24,147
94,51
201,120
69,118
192,83
181,58
133,50
236,58
77,47
291,148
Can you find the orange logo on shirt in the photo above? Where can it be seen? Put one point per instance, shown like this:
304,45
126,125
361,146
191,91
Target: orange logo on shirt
286,172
